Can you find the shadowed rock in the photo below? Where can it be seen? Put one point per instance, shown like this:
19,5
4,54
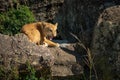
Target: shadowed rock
106,43
17,50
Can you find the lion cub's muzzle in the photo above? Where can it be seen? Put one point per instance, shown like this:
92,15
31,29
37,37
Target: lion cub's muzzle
50,36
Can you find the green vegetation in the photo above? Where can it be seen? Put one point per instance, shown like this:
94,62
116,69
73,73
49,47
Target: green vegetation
12,20
8,74
28,73
88,61
31,73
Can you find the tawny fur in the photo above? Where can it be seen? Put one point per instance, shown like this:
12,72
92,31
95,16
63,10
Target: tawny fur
39,33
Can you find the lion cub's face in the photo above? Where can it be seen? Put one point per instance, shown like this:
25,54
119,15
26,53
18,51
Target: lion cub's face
50,30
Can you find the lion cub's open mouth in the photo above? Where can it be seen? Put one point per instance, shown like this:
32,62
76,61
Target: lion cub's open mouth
49,37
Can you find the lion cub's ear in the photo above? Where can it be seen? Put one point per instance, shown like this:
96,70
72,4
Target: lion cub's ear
56,25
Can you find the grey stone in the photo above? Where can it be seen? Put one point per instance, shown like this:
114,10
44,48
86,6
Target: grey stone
17,50
106,43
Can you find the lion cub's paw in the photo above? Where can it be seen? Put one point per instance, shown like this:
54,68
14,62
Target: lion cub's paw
57,45
45,44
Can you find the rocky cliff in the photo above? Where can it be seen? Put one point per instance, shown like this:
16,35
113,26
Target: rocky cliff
16,51
105,45
80,17
44,10
96,24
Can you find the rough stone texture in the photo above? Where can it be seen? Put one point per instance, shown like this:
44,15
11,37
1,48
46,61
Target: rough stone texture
16,50
79,17
67,61
44,10
106,44
76,16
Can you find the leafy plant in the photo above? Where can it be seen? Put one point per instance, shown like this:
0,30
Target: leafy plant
8,74
12,20
31,73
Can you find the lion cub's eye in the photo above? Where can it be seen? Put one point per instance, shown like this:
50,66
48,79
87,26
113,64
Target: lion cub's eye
50,30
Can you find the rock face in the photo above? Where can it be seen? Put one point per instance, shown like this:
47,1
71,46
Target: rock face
79,17
17,50
105,45
75,16
44,10
67,61
95,22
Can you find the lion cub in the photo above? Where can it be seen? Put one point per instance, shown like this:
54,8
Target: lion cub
41,33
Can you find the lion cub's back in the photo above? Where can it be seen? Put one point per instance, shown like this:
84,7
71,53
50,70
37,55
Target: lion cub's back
32,32
28,27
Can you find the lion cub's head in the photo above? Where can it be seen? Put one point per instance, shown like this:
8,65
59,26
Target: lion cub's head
49,30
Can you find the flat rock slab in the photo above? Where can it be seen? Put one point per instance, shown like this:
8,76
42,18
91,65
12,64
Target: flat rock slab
66,60
17,50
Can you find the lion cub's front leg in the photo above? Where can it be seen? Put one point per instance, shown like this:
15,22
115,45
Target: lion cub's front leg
50,43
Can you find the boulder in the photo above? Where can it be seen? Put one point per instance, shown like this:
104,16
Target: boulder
16,50
67,61
79,17
106,44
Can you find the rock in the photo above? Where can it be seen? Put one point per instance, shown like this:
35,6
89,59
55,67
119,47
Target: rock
17,50
66,61
96,23
44,10
79,17
105,45
75,16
